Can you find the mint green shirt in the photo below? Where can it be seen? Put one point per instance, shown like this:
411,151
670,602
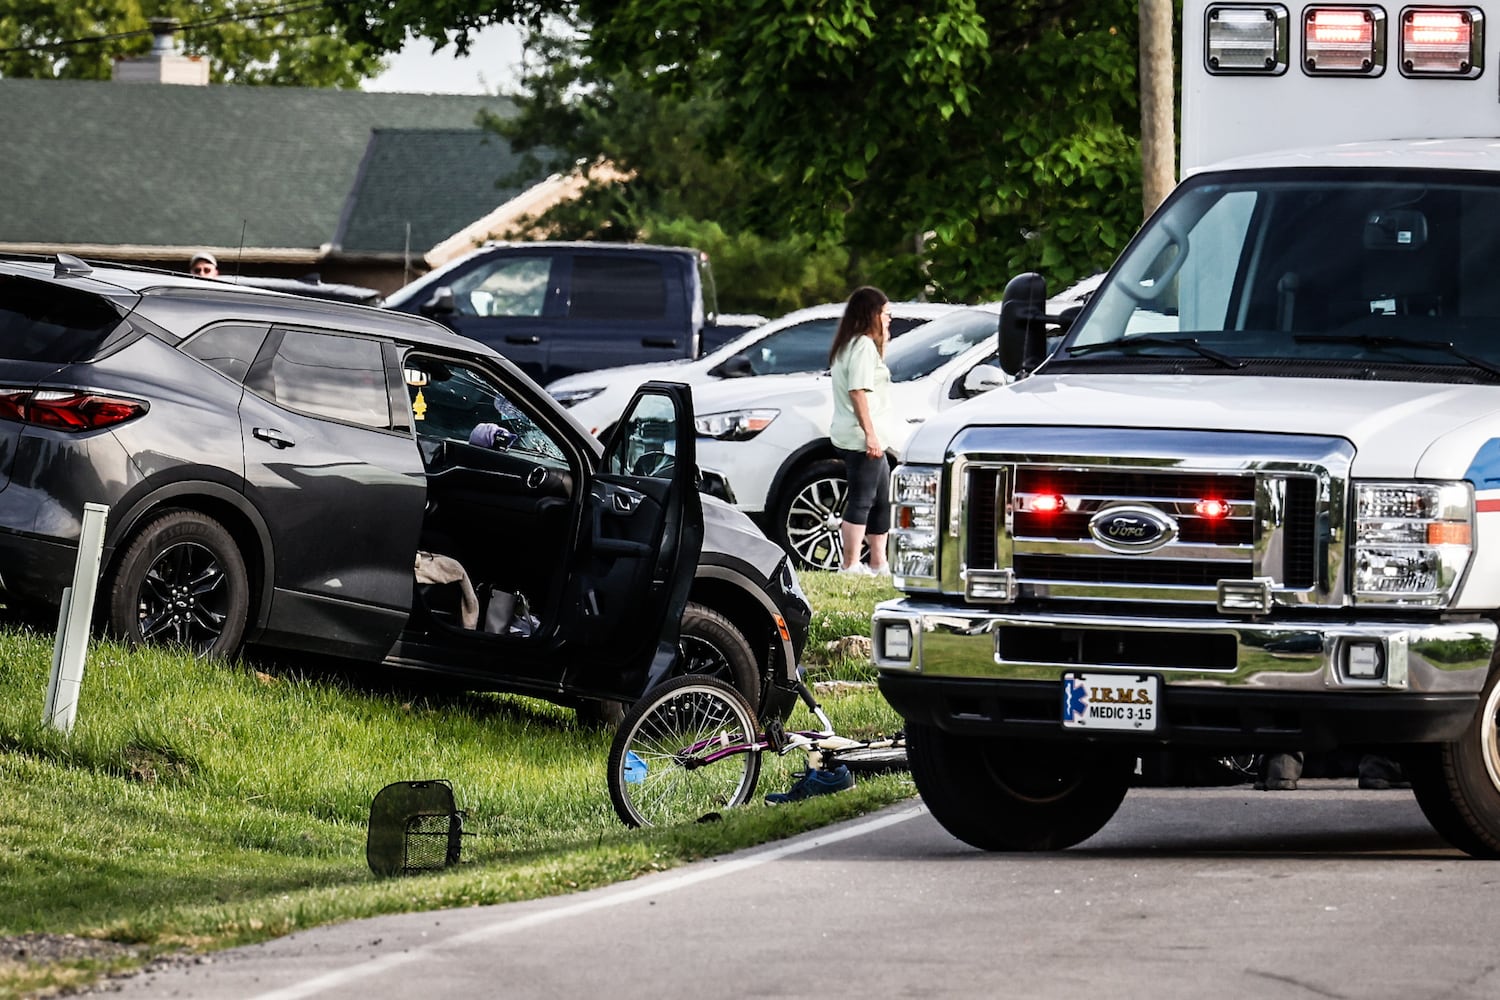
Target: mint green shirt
859,366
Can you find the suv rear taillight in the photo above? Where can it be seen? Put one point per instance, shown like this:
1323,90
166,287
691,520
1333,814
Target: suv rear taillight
66,410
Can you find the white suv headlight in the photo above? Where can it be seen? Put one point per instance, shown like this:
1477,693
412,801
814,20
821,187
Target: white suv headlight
734,425
1412,541
572,397
914,526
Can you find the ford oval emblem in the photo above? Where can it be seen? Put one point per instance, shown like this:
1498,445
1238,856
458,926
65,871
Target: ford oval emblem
1132,529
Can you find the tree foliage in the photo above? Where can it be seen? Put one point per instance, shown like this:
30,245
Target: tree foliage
944,144
245,41
996,135
664,182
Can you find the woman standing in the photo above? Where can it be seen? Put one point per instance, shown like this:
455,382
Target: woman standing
861,426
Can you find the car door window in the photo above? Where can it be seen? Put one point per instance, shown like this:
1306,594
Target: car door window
800,348
617,288
325,375
647,443
509,286
228,349
456,402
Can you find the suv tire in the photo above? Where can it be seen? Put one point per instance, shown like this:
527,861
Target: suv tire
713,647
182,581
807,513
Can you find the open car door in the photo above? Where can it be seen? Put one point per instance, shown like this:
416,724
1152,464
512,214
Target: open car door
638,547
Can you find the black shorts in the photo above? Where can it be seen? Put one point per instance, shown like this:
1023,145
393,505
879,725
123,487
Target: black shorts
869,500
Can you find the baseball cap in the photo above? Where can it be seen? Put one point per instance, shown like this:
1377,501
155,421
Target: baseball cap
204,255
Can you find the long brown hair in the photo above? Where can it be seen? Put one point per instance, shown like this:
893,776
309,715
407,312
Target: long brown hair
861,318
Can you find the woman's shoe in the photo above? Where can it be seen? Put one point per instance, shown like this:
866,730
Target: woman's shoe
880,571
858,569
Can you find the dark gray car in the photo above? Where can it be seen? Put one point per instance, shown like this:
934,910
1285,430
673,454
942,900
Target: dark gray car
359,482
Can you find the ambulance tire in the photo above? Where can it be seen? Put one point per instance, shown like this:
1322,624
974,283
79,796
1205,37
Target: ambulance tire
1458,784
1003,796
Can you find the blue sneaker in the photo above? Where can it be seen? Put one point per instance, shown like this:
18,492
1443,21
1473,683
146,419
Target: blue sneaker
815,783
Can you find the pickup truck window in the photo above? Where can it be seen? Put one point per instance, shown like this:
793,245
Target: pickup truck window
618,288
510,286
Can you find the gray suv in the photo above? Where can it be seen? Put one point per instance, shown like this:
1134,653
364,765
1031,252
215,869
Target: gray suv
361,482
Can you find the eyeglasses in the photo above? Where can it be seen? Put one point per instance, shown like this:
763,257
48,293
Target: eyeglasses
206,269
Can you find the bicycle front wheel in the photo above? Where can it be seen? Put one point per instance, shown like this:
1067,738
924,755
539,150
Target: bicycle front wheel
686,750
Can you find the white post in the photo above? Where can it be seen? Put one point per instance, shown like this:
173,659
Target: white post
75,620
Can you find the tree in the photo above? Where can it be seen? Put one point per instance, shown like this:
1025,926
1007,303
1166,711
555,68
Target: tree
664,184
957,142
946,144
246,41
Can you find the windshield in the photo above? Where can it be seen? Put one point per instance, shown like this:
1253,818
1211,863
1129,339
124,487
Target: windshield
924,350
1391,270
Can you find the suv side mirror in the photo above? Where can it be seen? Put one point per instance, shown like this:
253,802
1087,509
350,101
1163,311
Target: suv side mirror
1023,323
441,303
983,378
737,366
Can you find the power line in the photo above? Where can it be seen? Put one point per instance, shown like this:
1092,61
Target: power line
257,14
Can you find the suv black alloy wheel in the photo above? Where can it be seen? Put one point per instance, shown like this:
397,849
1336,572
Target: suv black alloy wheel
182,581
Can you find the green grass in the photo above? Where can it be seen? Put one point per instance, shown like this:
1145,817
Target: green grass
198,806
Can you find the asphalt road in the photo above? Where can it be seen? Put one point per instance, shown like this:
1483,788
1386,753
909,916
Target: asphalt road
1328,891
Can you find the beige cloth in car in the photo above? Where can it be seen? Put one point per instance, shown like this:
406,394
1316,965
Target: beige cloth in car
432,568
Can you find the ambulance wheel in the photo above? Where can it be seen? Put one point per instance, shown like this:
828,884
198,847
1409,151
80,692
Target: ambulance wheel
1458,784
1003,796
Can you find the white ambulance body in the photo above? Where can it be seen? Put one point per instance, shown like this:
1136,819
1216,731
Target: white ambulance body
1251,503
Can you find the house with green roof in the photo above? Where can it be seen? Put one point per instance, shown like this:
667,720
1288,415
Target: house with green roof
362,188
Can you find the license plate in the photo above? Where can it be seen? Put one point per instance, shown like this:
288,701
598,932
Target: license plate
1110,701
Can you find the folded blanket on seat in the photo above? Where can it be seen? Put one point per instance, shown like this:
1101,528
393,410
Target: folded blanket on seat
433,568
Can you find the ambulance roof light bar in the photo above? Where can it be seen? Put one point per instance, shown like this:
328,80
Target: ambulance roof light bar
1246,39
1343,41
1442,41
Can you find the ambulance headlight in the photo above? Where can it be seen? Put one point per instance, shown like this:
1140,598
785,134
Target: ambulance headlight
914,536
1412,542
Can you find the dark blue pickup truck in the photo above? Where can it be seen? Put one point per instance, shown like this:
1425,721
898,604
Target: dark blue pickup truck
555,308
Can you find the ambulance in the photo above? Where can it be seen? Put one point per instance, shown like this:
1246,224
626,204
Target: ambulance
1251,501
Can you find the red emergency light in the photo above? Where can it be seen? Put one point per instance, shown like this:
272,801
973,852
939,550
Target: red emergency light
1048,503
1211,509
1343,40
1442,41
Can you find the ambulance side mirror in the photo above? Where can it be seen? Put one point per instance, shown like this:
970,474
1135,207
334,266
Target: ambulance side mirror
1023,323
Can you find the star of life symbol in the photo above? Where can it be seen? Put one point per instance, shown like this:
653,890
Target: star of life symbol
1075,699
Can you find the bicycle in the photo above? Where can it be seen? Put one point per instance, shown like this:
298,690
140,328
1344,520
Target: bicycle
692,747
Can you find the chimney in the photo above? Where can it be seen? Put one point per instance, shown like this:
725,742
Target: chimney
165,63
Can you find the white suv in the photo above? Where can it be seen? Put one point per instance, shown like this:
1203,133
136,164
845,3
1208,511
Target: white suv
769,436
797,342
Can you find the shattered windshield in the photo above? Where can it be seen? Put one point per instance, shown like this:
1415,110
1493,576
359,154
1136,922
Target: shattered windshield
1391,270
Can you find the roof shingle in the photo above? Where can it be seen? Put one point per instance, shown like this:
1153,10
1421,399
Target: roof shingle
93,162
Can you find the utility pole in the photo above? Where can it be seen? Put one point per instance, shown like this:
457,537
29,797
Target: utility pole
1158,134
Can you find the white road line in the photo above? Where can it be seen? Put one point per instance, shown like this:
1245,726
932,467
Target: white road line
705,871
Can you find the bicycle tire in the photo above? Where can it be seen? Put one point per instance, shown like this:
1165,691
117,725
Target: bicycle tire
652,782
871,760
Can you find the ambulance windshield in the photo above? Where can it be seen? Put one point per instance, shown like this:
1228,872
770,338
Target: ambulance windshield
1391,270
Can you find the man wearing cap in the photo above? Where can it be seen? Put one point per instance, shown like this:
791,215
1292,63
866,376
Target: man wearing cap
204,265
